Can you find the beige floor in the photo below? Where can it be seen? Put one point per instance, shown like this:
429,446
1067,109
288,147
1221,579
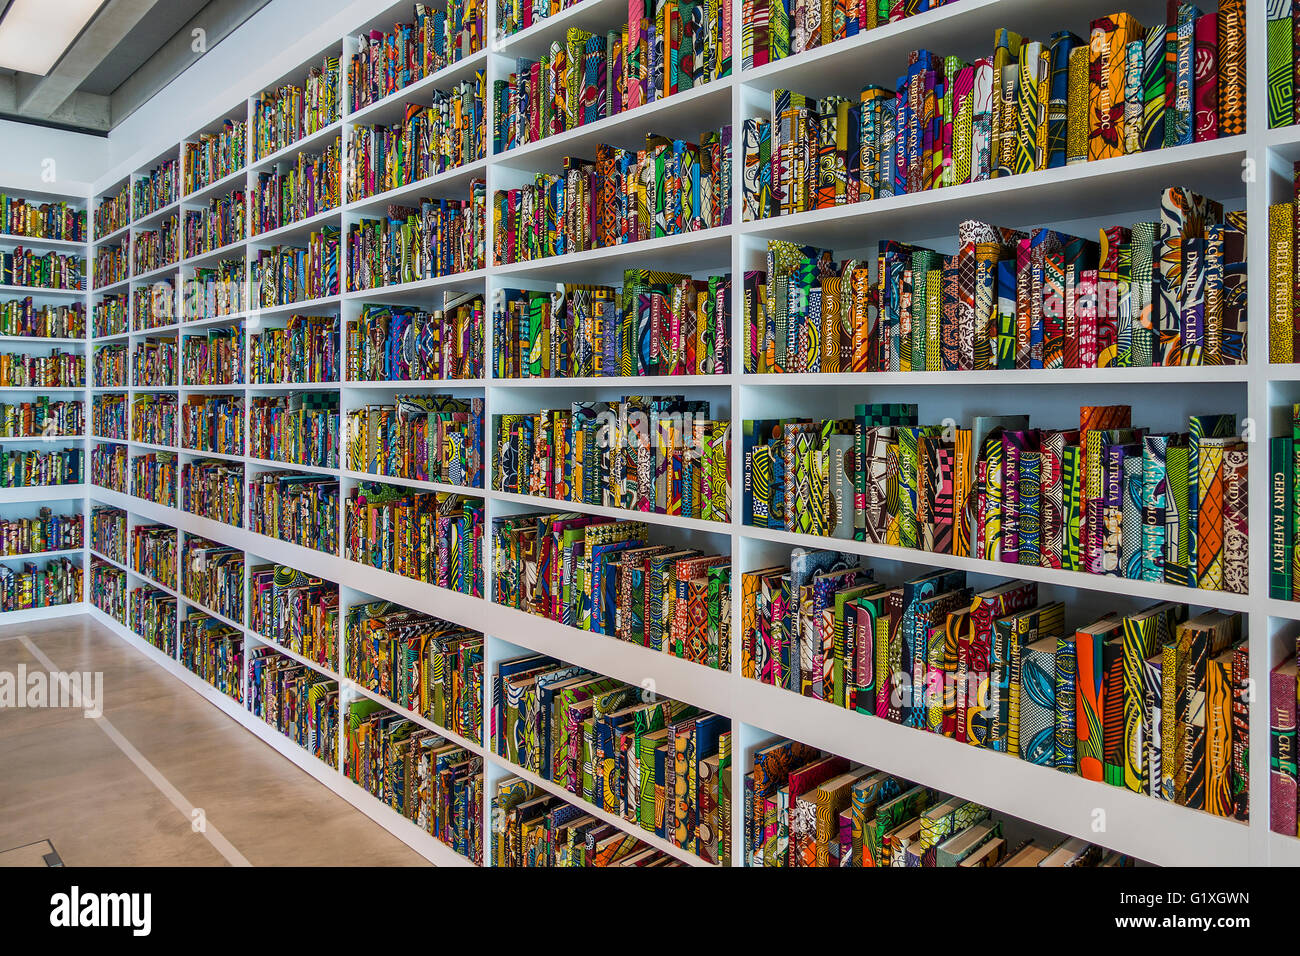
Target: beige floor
65,780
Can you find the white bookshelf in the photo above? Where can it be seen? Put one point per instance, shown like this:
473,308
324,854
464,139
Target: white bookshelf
26,501
1247,171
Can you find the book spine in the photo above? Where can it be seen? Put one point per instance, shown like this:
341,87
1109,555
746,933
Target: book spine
1282,753
1281,517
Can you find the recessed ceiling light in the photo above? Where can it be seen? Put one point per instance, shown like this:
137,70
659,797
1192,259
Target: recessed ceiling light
34,33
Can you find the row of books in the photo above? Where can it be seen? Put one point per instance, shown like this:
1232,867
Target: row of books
449,132
387,62
153,477
109,317
213,156
50,270
1149,700
111,265
298,701
283,275
606,577
44,531
657,323
776,30
1106,498
213,575
654,762
108,534
42,418
153,306
58,369
153,553
396,343
297,190
305,350
538,828
1166,293
439,237
213,423
283,116
156,248
213,488
661,454
669,188
20,216
665,47
153,618
153,364
31,585
108,589
1029,106
216,290
108,467
224,220
157,188
114,212
31,468
418,436
434,537
1284,529
300,428
296,611
213,357
805,807
419,662
153,418
110,366
214,651
108,417
23,317
433,782
297,508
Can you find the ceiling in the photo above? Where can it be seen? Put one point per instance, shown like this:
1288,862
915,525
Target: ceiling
128,51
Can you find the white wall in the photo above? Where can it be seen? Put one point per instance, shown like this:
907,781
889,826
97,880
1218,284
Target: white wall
79,159
276,38
252,58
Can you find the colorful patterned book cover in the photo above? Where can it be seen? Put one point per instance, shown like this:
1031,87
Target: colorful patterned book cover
1037,711
1281,245
1064,756
1200,640
1282,748
1180,83
1091,695
1179,567
1219,695
1241,685
1236,553
1152,133
1108,44
1280,54
985,608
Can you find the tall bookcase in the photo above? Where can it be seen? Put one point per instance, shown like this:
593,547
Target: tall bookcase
1247,171
67,499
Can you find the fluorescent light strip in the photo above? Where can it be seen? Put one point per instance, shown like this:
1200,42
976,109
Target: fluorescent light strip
34,33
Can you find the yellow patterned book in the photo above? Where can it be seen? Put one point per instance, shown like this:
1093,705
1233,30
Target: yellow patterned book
1281,274
1107,47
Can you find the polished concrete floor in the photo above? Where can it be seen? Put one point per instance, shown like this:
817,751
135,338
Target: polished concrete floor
124,790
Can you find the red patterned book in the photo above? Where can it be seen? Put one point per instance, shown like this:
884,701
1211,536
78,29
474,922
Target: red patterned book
1206,66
